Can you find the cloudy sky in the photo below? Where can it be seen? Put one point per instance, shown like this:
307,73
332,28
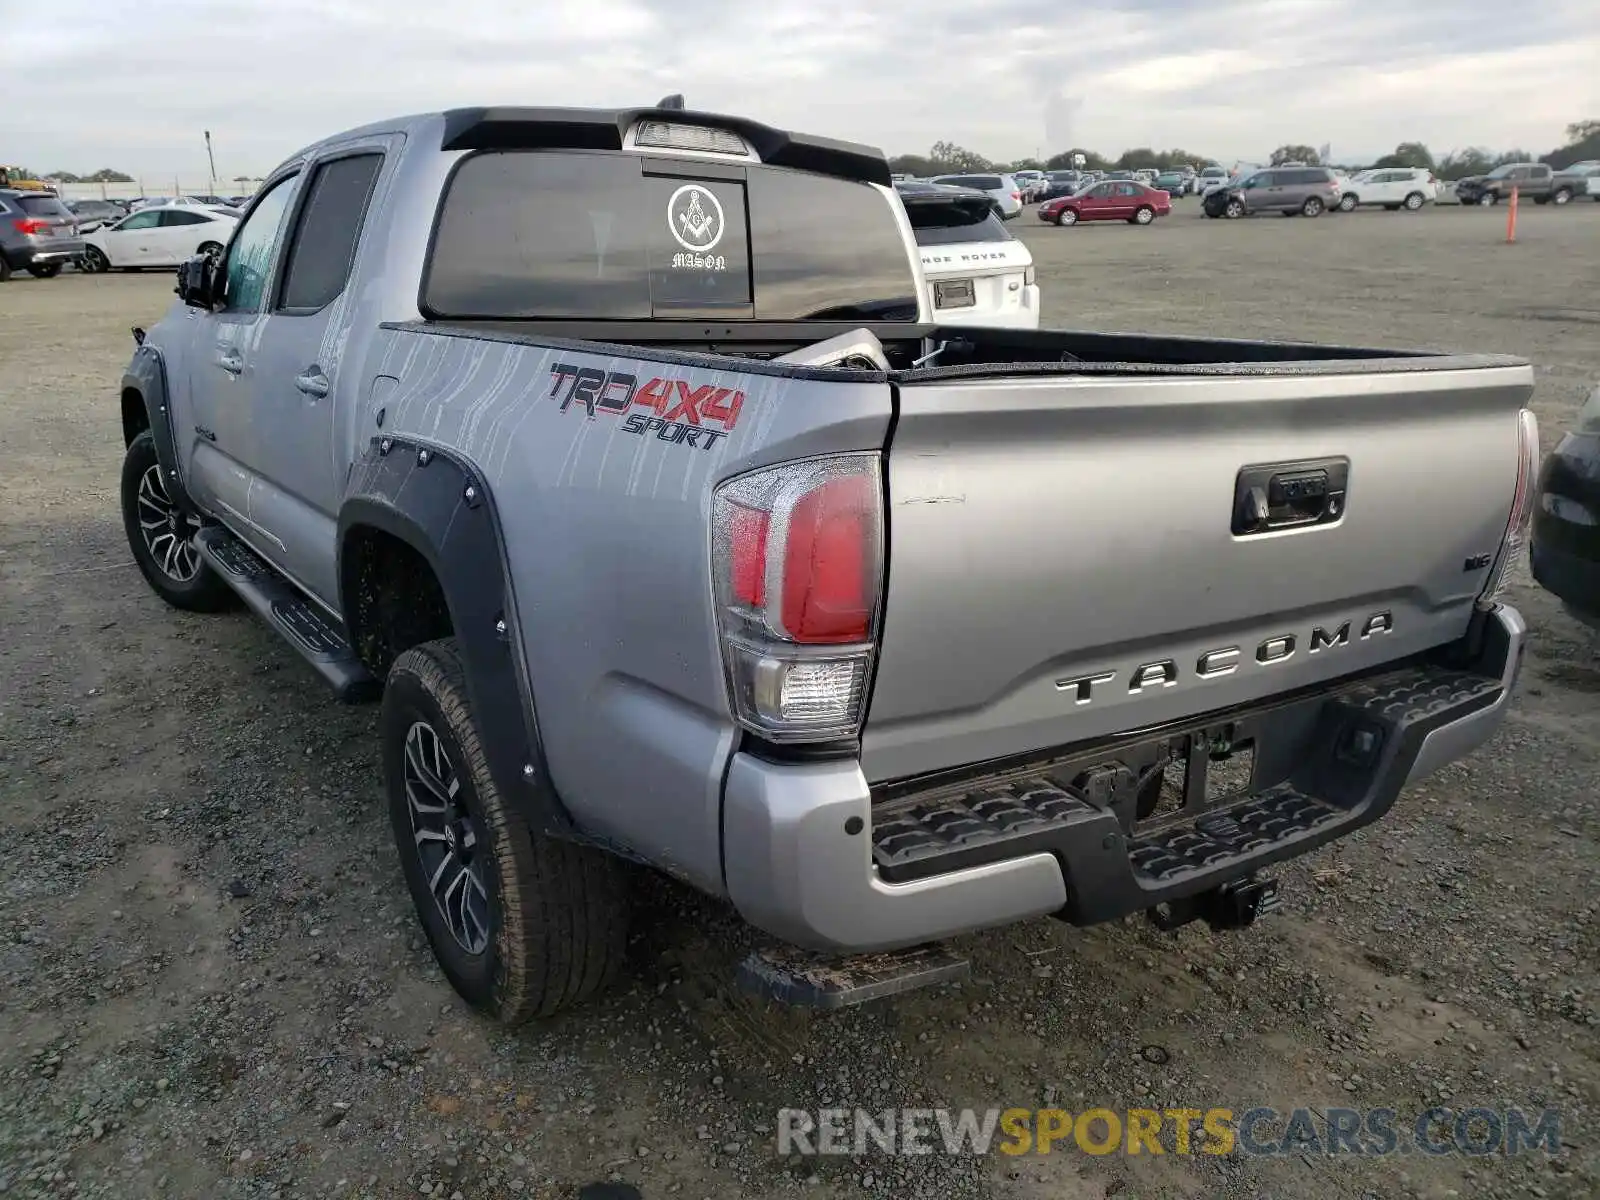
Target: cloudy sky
132,85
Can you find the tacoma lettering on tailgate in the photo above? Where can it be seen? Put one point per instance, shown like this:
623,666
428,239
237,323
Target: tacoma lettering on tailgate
1225,660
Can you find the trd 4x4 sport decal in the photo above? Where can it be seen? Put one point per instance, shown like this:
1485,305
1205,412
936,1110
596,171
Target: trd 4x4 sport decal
678,411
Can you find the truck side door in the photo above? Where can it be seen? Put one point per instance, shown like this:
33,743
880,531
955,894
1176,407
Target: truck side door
296,366
225,438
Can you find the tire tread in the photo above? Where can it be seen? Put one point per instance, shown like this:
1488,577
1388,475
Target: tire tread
562,930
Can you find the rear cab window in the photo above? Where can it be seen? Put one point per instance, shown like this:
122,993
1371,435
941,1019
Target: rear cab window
613,235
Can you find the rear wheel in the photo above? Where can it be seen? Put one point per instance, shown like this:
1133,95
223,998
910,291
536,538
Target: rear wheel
5,269
1415,201
1067,216
161,536
210,249
1143,215
44,270
521,925
1312,207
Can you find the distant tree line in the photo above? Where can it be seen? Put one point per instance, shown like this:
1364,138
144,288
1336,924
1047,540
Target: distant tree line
1583,143
103,175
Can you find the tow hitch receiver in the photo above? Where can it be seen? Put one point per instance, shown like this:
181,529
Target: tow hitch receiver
1234,905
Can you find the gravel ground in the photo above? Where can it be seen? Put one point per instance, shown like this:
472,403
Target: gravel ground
212,985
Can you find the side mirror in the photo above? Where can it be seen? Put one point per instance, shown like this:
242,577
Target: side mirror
200,282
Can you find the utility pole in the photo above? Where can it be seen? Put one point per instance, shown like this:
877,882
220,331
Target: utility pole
210,158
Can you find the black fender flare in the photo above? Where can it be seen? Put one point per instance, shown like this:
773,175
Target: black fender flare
437,502
147,375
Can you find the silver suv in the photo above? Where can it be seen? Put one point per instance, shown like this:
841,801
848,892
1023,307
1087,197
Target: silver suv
1004,190
38,234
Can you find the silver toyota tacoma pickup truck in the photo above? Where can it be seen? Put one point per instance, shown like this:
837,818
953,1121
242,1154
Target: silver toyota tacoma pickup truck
617,452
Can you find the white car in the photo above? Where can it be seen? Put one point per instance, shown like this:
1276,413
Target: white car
1002,189
976,273
1395,188
158,237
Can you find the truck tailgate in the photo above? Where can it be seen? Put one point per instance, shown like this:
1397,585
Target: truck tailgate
1066,563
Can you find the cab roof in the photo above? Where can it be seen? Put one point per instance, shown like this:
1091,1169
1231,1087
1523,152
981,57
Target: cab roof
518,128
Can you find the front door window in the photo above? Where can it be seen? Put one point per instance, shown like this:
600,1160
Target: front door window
250,256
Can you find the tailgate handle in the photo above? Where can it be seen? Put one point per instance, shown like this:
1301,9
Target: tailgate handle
1270,496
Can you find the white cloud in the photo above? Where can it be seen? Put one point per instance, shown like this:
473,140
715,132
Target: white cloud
132,86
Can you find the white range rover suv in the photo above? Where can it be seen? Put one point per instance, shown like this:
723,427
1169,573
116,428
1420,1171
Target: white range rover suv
976,272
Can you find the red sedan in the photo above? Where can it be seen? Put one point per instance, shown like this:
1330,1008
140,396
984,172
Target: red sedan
1112,200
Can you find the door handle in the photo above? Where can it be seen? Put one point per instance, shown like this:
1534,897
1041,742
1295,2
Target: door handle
230,361
312,382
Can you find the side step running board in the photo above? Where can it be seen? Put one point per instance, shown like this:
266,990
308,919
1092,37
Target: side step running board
319,638
811,979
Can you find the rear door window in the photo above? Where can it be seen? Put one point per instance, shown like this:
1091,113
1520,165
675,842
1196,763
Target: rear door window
616,236
324,241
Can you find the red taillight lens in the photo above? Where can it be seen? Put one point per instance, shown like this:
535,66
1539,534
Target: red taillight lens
32,226
799,548
828,584
747,537
797,554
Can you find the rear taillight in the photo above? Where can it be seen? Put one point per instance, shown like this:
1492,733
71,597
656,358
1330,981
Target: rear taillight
32,226
797,551
1516,535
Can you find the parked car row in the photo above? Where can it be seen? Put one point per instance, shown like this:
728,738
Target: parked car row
40,233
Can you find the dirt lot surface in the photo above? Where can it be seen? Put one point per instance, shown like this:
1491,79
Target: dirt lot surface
212,984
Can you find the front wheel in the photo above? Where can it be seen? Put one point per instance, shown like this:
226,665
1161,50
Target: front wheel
95,260
1067,216
1347,202
1312,207
161,536
1143,215
1235,210
212,250
1488,200
1561,195
44,270
521,925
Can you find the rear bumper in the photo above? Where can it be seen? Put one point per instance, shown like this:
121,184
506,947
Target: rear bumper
60,250
805,861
